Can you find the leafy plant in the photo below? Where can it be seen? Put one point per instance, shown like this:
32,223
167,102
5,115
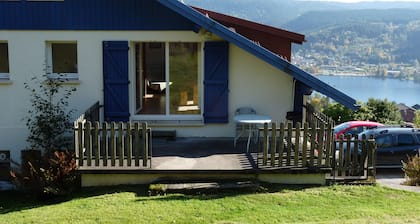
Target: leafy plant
48,120
411,169
56,175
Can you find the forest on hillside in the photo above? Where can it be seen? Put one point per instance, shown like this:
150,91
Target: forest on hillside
371,37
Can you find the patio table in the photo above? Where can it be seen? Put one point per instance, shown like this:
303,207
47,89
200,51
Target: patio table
251,120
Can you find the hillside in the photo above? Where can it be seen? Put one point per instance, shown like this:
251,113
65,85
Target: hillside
359,38
280,12
372,37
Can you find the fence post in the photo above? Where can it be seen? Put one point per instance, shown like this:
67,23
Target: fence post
330,142
341,156
145,143
289,143
88,144
112,144
273,144
357,166
281,144
120,144
313,145
265,144
95,142
304,144
104,143
129,145
80,142
321,139
347,158
297,144
372,154
136,144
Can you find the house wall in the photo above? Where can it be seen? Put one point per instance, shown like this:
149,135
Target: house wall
252,82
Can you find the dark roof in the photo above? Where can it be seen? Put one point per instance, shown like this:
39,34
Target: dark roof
260,52
402,106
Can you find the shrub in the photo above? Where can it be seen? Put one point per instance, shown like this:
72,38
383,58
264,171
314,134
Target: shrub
411,169
48,120
56,175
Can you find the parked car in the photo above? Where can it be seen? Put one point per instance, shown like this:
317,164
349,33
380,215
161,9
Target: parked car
394,145
354,127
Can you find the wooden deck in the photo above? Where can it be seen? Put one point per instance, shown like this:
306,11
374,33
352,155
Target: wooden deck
125,153
191,154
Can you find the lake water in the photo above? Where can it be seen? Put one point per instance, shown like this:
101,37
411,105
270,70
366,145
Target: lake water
362,88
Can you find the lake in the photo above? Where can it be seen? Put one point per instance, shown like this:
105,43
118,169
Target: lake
362,88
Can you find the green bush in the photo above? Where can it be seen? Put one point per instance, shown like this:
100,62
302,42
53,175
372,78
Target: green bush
411,169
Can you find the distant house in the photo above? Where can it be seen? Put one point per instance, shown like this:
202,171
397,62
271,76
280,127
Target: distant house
158,61
407,113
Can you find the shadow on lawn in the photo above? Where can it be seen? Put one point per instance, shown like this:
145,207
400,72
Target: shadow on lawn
12,201
211,194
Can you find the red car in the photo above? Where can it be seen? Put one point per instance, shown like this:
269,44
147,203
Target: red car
354,127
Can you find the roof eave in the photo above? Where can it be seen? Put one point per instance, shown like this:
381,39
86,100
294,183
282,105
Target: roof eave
292,36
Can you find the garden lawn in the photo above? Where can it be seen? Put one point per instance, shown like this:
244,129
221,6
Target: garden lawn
270,204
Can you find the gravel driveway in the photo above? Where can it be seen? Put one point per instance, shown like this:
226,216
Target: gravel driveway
393,178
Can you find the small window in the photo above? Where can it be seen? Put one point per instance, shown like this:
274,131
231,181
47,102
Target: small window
406,139
4,61
62,60
384,141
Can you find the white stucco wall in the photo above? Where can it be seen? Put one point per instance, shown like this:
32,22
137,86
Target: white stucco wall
252,82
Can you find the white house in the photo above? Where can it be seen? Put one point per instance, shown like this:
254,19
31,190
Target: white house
151,60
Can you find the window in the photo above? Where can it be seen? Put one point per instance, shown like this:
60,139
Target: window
384,141
406,139
62,60
354,131
4,61
167,78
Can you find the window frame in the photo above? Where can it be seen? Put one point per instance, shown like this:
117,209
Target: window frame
6,75
167,117
49,61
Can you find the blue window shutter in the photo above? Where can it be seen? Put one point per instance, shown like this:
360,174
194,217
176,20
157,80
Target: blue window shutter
216,75
115,72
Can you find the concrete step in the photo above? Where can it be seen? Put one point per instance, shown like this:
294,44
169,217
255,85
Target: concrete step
202,187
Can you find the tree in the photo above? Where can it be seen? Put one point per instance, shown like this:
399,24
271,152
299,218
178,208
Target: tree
417,119
382,111
338,113
48,120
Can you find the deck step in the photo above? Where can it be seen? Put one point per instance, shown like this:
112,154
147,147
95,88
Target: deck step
202,187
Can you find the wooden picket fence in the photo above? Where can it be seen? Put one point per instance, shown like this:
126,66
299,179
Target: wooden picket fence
284,146
112,145
350,164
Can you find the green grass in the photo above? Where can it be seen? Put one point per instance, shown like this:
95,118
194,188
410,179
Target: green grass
281,204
